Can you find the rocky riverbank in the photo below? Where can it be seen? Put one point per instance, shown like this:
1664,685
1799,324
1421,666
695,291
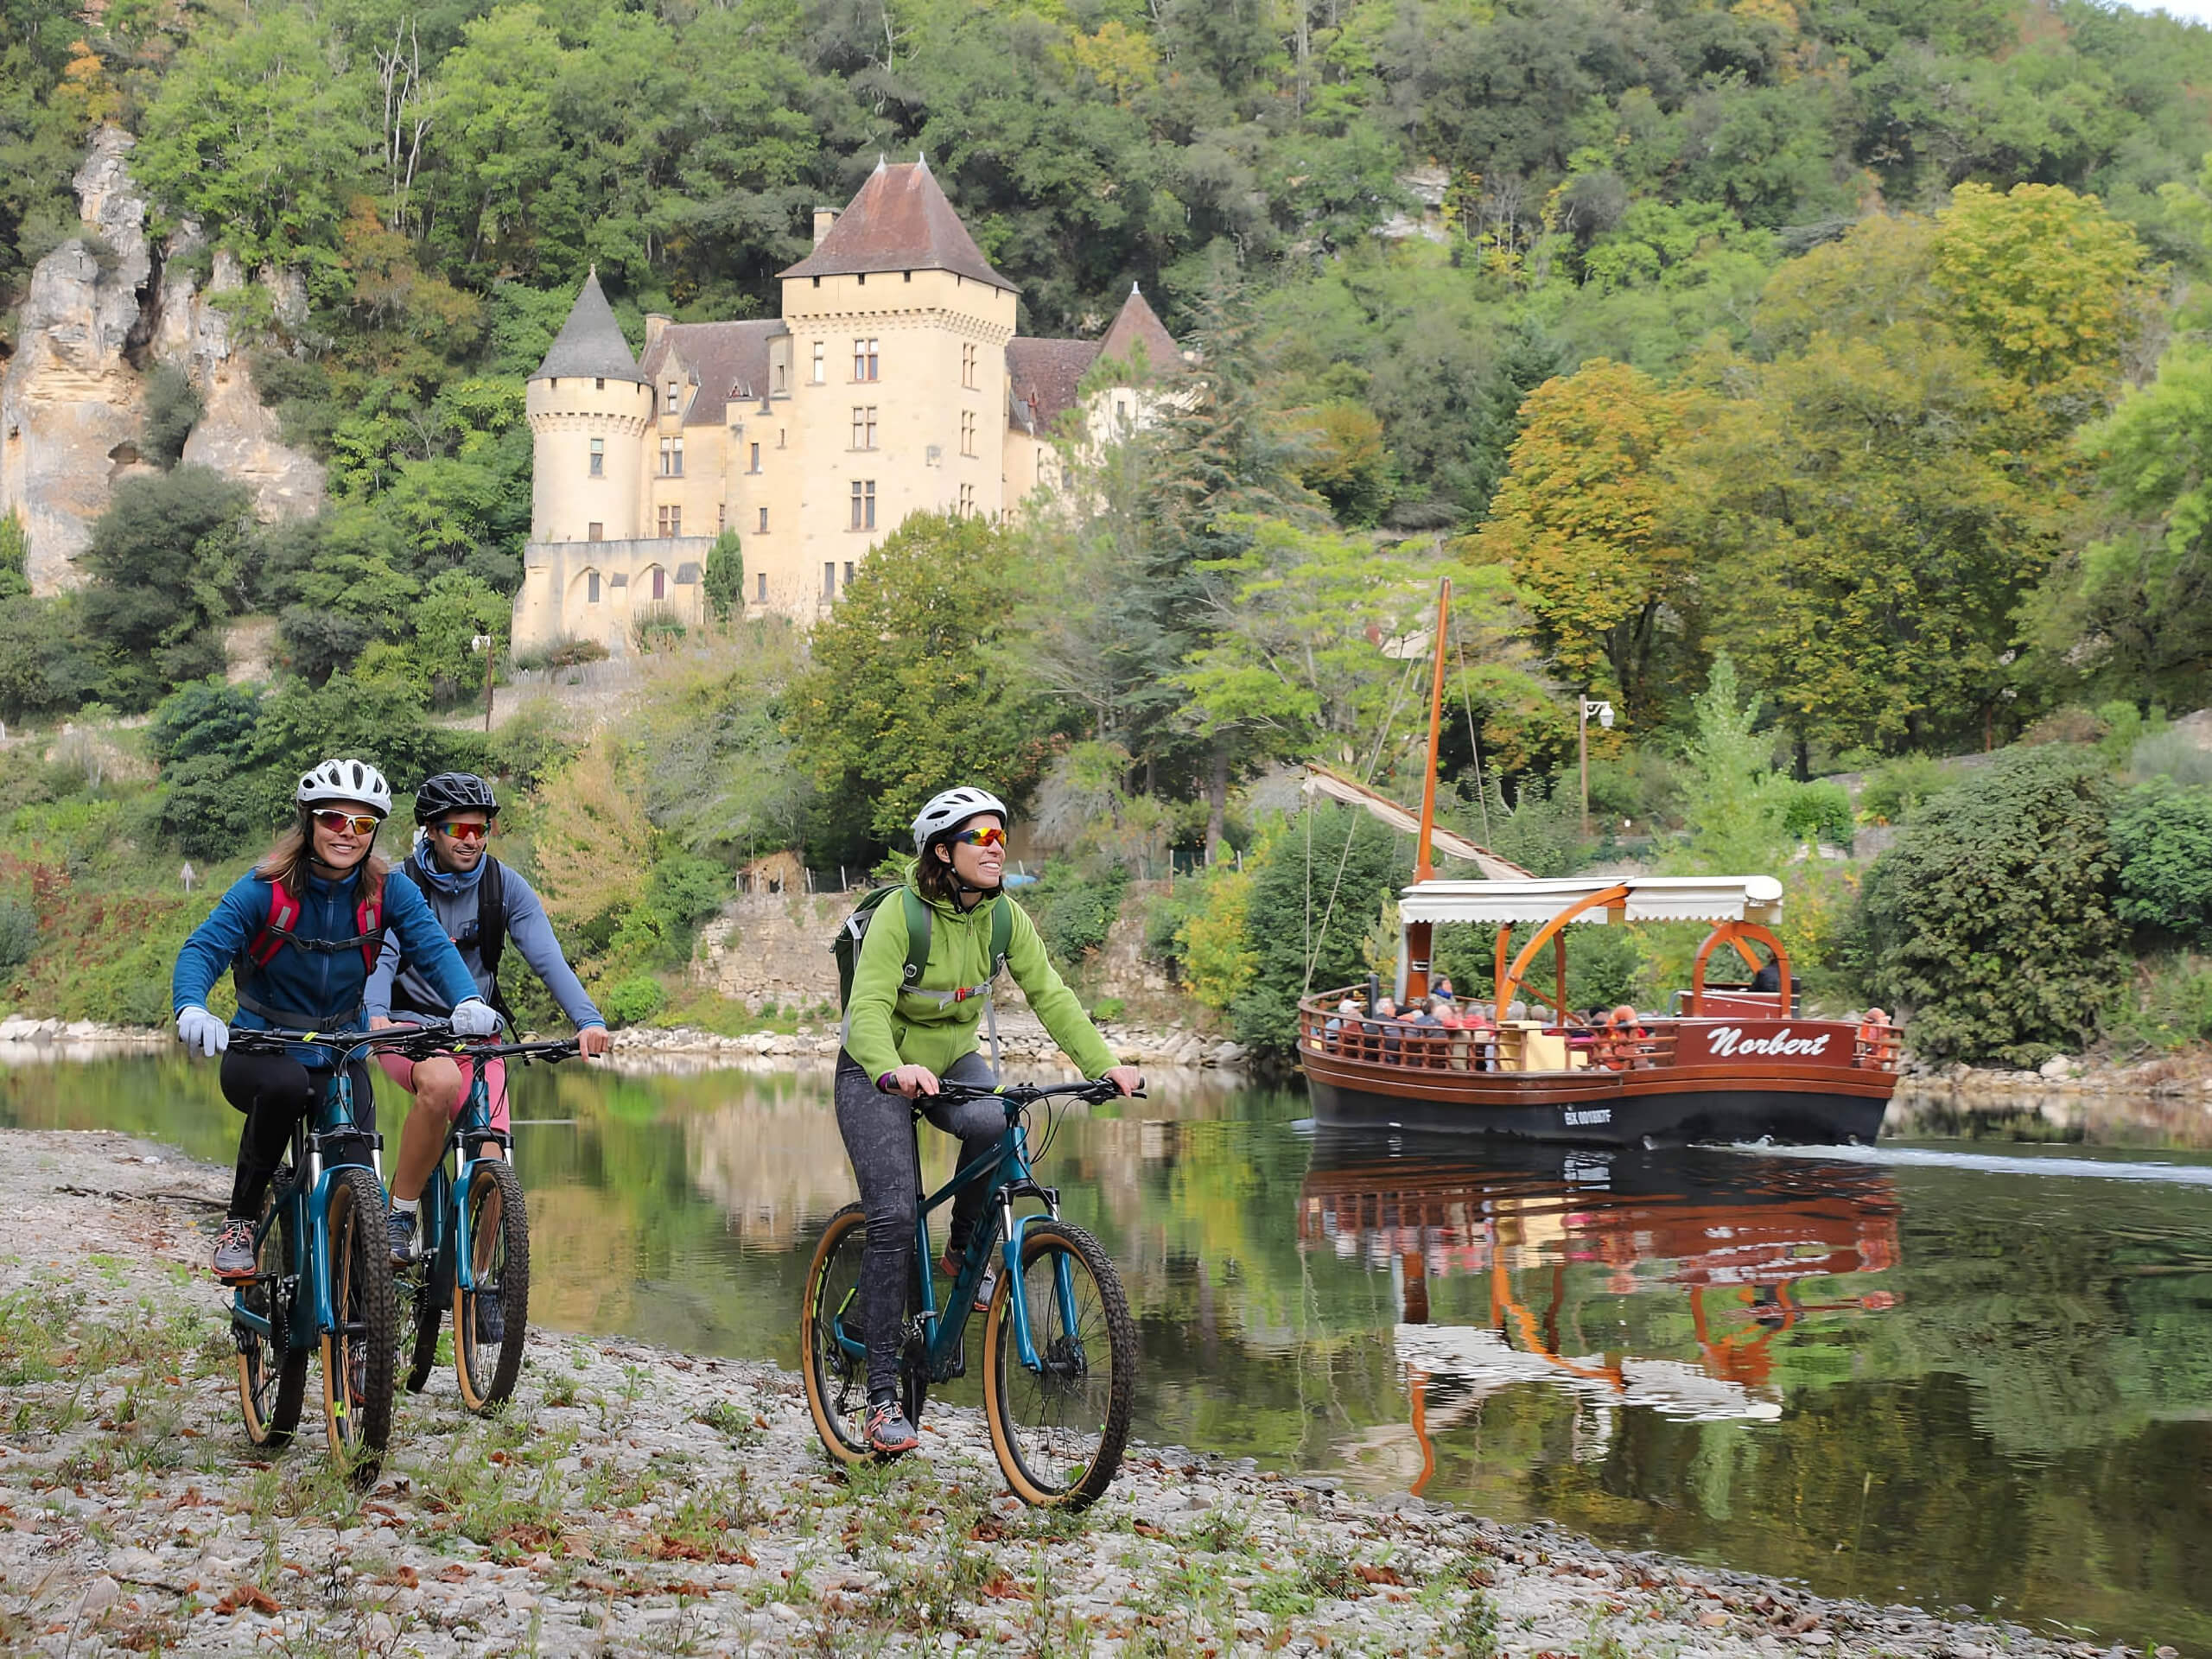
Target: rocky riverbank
638,1500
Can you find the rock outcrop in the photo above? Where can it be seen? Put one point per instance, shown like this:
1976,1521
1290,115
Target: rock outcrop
102,308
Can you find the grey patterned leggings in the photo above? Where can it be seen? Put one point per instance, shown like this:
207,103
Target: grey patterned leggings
881,1142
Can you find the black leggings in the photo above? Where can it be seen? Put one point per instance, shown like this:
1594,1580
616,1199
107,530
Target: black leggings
274,1090
880,1140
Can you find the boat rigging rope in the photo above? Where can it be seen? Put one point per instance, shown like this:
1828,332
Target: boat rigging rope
1468,704
1313,947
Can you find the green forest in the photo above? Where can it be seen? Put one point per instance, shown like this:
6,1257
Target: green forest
1822,385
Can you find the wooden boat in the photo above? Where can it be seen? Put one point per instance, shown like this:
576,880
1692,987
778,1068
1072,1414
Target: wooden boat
1727,1063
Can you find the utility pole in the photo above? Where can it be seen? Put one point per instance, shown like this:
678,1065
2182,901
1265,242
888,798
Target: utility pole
486,642
1586,707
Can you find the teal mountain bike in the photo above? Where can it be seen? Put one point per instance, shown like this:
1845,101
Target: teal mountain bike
322,1278
1059,1347
475,1243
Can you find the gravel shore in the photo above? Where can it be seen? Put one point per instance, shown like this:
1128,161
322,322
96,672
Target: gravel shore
636,1501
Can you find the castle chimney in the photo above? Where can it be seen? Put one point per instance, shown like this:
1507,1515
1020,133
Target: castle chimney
824,219
655,326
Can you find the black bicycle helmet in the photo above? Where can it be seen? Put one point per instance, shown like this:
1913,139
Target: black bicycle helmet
454,791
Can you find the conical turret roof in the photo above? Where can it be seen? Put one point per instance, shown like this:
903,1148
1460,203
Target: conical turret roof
590,342
900,221
1138,324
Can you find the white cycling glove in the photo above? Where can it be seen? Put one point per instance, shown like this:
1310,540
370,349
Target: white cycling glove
475,1018
197,1029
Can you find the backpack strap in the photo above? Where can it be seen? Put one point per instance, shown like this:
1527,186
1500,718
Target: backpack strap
917,940
368,929
283,916
492,925
1001,932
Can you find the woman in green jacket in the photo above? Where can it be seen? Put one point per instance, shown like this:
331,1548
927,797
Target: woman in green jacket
900,1039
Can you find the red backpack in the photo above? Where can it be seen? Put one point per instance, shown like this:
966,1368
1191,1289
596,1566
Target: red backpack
277,932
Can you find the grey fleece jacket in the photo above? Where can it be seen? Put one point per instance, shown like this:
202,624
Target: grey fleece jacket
528,929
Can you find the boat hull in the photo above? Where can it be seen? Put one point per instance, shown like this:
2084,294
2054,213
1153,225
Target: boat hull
1611,1111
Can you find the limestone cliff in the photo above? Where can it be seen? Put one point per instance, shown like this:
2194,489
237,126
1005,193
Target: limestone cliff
101,308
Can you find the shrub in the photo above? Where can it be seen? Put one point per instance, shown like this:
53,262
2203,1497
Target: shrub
1895,790
18,934
2169,1007
562,653
1326,908
724,576
654,629
1074,913
2163,835
1818,811
1215,949
631,1001
2174,753
1991,924
1107,1009
172,407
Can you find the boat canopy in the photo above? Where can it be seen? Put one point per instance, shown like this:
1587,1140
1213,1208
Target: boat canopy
1648,898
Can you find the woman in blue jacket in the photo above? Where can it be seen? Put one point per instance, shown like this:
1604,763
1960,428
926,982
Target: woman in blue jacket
300,933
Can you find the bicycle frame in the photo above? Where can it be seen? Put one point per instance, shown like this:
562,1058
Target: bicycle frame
1007,1171
304,1202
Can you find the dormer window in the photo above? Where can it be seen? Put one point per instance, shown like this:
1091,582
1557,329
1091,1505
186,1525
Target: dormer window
674,394
599,383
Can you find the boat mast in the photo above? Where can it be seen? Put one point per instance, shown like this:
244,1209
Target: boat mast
1417,934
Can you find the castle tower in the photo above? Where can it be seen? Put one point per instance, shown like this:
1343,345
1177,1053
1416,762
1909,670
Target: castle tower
588,407
894,366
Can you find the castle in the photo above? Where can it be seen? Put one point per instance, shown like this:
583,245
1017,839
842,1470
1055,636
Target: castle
892,383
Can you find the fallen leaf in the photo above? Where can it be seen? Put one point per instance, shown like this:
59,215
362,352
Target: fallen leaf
1377,1575
1003,1588
1145,1530
1712,1621
246,1595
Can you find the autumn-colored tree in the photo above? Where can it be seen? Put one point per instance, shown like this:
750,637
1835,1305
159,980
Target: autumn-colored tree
1581,523
593,845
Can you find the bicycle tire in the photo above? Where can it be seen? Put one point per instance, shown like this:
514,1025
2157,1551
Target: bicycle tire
837,1383
429,1283
501,1244
361,1291
1059,1435
272,1373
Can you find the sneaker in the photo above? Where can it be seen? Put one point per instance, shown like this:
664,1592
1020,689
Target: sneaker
405,1246
490,1320
234,1255
888,1431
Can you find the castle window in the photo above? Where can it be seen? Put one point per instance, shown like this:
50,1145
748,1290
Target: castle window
821,362
595,531
864,359
756,457
763,531
671,457
671,521
591,587
848,573
660,582
863,504
721,517
598,457
599,383
967,500
670,407
968,356
1121,410
829,580
864,426
760,579
967,432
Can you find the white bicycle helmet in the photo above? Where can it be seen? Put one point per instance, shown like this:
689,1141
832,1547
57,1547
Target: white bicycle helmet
952,808
345,780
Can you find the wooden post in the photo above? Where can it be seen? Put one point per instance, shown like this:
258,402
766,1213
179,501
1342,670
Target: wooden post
1420,935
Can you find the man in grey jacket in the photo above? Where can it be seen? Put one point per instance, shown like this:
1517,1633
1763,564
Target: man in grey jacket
482,904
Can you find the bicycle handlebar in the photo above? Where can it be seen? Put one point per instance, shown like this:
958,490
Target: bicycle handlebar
1018,1095
418,1041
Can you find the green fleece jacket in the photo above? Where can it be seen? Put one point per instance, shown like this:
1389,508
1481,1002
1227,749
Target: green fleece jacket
886,1027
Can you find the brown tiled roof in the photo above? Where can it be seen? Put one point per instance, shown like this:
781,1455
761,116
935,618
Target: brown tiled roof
900,221
724,360
590,342
1136,326
1042,376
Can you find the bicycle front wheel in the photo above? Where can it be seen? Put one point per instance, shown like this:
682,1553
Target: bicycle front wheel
427,1285
1058,1425
830,1318
360,1355
491,1317
272,1373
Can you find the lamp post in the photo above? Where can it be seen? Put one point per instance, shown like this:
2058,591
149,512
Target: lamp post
485,642
1586,706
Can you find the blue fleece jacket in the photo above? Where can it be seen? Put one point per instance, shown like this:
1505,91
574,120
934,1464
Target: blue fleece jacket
453,898
316,985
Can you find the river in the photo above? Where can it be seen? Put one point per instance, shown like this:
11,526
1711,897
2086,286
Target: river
1963,1369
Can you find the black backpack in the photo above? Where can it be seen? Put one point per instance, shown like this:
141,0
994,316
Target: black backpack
491,925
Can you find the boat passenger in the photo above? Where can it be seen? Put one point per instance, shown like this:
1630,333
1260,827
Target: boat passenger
900,1037
1383,1039
1333,1029
299,933
1875,1036
1429,1017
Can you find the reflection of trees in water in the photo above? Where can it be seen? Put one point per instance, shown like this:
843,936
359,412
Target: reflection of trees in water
1932,1112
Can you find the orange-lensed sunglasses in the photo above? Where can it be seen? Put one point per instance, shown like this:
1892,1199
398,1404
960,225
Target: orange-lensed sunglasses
464,831
361,823
994,837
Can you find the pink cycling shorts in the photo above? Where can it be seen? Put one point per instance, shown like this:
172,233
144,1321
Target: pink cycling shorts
401,1070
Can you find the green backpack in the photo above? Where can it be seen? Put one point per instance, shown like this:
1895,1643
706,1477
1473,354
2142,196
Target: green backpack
846,946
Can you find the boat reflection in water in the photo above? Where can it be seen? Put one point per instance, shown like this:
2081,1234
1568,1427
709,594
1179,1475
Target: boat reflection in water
1564,1241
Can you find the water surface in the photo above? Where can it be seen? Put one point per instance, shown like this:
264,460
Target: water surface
1955,1371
